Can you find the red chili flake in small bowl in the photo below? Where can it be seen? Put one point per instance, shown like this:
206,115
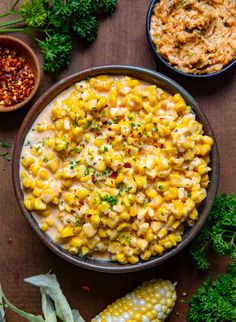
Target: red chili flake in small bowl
17,79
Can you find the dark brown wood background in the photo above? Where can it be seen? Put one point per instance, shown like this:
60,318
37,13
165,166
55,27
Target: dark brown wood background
121,40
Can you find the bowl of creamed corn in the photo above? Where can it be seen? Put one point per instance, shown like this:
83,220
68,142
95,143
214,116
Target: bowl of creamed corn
116,168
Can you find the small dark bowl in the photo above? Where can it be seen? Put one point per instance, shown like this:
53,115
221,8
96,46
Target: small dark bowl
153,78
26,52
159,59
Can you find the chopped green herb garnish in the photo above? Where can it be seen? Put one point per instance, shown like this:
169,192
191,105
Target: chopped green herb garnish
125,238
75,122
117,119
110,199
120,185
86,172
45,159
73,164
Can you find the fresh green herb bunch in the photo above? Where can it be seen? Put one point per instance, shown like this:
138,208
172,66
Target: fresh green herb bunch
57,21
215,301
218,232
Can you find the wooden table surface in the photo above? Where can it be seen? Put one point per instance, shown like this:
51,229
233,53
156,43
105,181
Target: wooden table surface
121,40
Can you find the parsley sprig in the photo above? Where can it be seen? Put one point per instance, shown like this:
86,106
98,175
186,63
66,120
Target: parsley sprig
215,301
57,21
218,232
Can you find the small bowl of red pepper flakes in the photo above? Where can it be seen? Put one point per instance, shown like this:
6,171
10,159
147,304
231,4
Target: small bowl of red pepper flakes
19,73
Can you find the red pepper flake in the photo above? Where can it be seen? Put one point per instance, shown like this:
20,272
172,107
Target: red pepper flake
113,175
94,179
86,288
17,79
10,241
127,165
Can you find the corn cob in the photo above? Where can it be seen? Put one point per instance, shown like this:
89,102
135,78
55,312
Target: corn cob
151,302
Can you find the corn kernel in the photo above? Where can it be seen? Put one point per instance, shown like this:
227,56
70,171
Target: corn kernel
43,174
159,249
67,232
133,259
121,258
76,242
146,255
39,204
44,227
82,193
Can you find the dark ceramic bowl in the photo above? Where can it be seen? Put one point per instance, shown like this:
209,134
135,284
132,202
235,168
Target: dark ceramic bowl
153,78
160,60
24,51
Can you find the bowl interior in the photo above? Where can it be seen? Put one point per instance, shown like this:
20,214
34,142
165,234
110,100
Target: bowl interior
153,78
25,51
161,60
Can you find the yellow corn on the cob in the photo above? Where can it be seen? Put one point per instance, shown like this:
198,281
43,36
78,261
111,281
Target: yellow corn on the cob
151,302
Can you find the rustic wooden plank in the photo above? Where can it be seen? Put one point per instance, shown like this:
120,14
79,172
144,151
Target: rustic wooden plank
121,39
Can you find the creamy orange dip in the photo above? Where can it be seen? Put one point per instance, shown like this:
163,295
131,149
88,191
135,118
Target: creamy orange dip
196,37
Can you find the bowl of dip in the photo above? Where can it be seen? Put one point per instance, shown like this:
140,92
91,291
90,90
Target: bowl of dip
193,38
19,73
116,168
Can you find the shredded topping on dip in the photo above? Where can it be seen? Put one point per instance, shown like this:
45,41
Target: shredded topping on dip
194,36
115,168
